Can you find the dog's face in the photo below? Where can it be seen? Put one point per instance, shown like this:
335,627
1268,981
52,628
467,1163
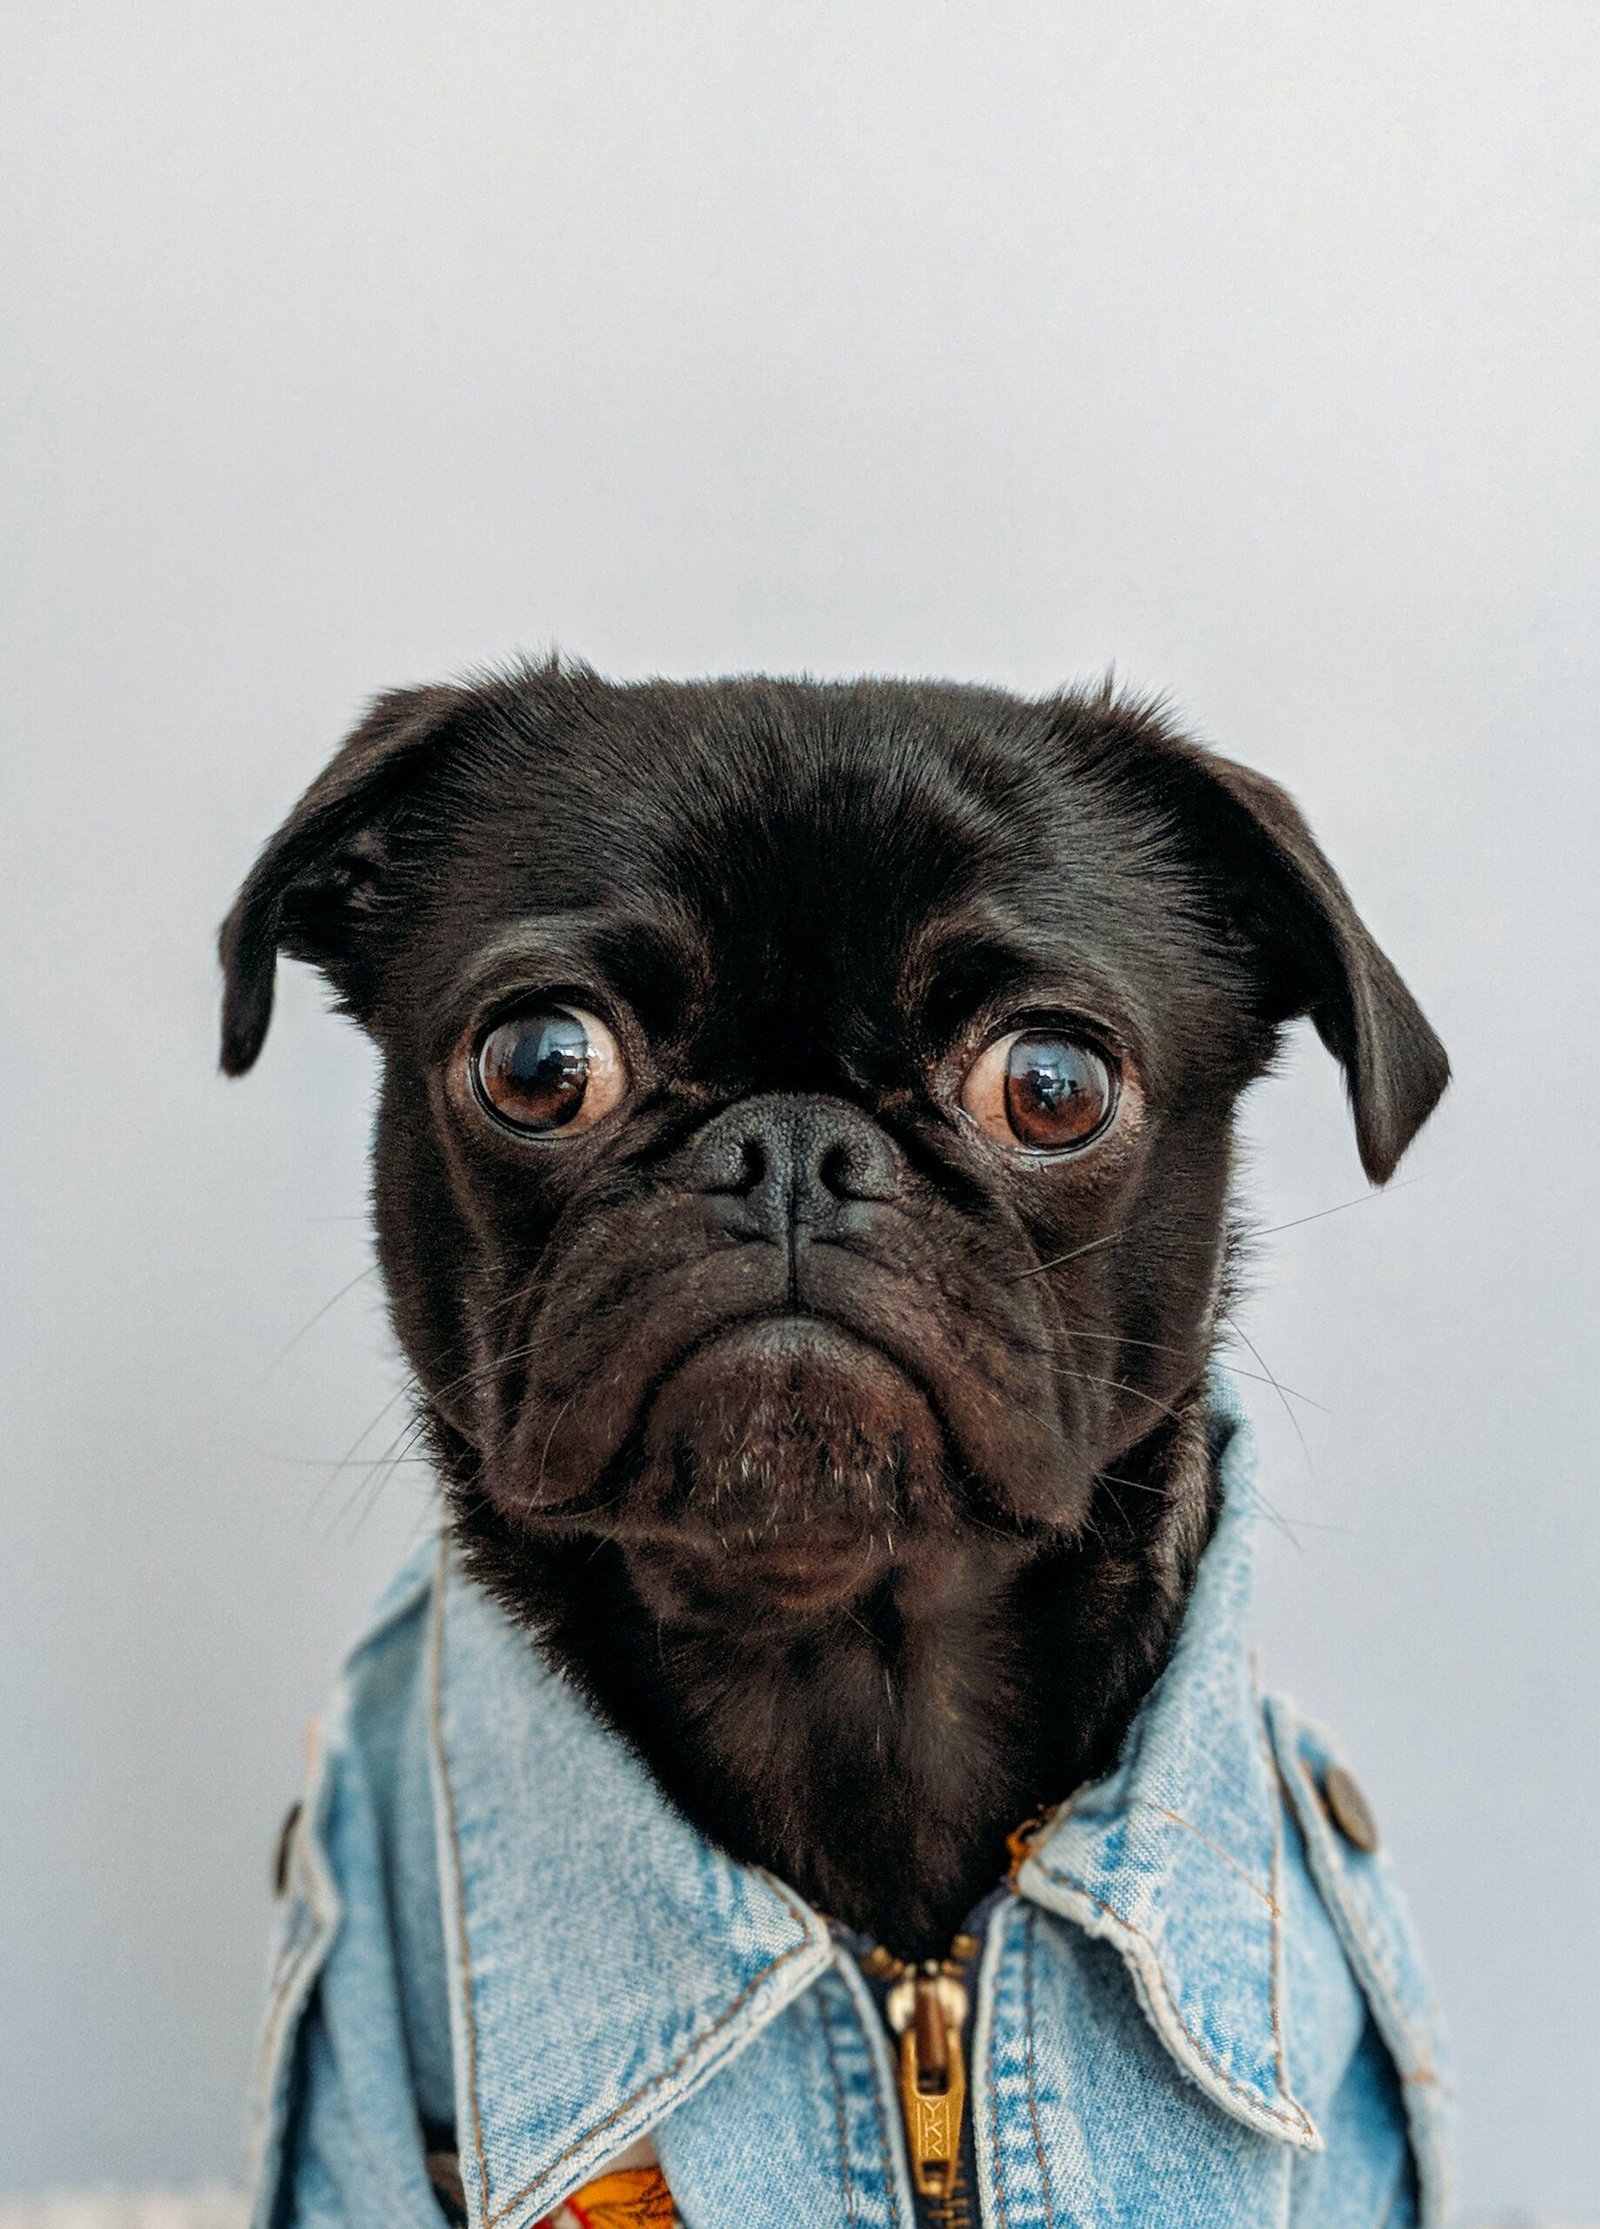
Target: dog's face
804,1141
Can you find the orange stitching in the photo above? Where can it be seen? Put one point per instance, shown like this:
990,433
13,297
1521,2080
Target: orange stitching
1298,2116
1030,1930
840,2119
890,2181
1376,1954
1232,1863
1278,1796
1142,1803
644,2090
1295,2118
1424,2072
990,2088
436,1714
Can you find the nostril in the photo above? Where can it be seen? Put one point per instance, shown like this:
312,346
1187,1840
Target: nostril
835,1171
860,1166
731,1161
769,1167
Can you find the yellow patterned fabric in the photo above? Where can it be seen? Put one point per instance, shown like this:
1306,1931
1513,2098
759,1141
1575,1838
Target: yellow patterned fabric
627,2198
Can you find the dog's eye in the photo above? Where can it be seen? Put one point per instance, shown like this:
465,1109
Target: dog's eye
1041,1089
549,1068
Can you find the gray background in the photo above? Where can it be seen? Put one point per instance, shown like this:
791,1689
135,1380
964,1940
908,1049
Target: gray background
1249,347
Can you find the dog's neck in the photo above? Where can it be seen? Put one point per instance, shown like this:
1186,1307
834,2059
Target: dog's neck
879,1759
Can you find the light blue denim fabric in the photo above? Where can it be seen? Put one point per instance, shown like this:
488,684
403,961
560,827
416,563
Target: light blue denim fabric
1199,2005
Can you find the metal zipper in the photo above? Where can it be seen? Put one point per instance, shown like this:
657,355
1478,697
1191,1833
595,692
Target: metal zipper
927,2009
927,2006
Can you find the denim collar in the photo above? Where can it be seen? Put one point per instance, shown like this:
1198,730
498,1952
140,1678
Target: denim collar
1176,1856
550,1829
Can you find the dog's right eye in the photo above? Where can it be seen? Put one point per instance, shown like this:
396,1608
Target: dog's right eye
546,1069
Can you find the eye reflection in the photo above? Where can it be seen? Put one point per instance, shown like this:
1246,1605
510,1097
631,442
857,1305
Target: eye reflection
1042,1089
547,1069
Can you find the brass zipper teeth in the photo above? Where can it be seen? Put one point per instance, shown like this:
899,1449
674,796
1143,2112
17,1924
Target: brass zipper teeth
926,2007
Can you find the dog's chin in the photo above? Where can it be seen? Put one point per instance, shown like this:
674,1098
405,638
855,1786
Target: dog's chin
783,1465
780,1584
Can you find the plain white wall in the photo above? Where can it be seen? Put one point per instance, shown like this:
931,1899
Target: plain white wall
1250,347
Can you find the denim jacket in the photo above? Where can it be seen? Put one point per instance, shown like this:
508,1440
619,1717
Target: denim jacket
1197,2000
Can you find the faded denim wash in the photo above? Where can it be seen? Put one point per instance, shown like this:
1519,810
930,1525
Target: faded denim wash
1199,2005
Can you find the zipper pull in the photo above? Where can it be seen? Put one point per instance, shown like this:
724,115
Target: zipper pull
927,2009
1020,1841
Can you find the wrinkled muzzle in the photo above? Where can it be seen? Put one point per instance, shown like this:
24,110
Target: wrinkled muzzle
793,1340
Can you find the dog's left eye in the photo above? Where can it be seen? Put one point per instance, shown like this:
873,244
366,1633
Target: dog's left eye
1042,1089
549,1068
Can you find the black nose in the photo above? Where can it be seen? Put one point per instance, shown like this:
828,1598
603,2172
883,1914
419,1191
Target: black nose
789,1165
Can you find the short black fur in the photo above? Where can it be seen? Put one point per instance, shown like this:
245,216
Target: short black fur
868,1521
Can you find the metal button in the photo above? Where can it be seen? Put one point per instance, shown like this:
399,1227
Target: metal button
1349,1809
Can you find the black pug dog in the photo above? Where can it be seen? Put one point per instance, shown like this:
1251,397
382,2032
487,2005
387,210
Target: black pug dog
802,1182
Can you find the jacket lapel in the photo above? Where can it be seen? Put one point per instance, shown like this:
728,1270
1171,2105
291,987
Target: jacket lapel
1176,1857
605,1961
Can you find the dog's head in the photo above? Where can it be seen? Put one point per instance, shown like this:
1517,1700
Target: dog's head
805,1122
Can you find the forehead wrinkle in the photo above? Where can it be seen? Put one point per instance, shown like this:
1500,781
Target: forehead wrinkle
814,884
584,940
537,932
986,957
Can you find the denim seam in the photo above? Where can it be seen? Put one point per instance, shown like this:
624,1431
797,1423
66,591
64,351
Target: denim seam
299,1940
1267,1896
1354,1928
656,2081
1375,1951
270,2051
1278,2049
436,1713
1376,1954
1177,1819
1295,2117
1275,1796
312,1917
298,1934
1314,1824
1030,1932
996,2147
841,2119
891,2182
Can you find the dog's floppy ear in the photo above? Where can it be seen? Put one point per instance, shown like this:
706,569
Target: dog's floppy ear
1320,959
319,878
